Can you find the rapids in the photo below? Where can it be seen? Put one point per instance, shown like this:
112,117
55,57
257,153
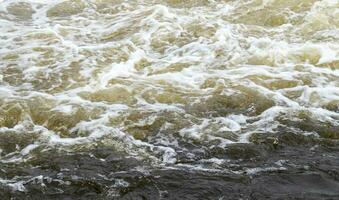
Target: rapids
136,99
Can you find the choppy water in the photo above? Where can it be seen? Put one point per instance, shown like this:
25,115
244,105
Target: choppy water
169,99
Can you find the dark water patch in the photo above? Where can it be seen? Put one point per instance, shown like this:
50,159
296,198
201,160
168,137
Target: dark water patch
304,169
248,102
239,151
305,122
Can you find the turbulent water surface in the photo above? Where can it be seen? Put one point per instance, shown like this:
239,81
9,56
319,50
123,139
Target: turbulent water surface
169,99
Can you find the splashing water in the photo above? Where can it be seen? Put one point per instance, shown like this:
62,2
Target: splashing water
192,85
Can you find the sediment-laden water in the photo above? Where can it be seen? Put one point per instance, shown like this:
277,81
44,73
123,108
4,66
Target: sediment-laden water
169,99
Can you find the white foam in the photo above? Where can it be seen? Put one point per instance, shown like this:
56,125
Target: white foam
205,38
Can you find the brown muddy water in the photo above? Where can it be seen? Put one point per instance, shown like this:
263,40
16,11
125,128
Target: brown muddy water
169,99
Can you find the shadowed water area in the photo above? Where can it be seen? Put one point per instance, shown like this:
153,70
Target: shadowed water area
169,99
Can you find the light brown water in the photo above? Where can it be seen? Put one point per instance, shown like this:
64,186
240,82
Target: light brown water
214,89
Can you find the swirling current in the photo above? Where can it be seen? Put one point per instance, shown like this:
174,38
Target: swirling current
169,99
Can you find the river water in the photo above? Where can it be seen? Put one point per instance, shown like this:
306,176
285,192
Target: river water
169,99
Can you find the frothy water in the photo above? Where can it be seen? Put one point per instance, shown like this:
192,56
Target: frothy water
172,84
